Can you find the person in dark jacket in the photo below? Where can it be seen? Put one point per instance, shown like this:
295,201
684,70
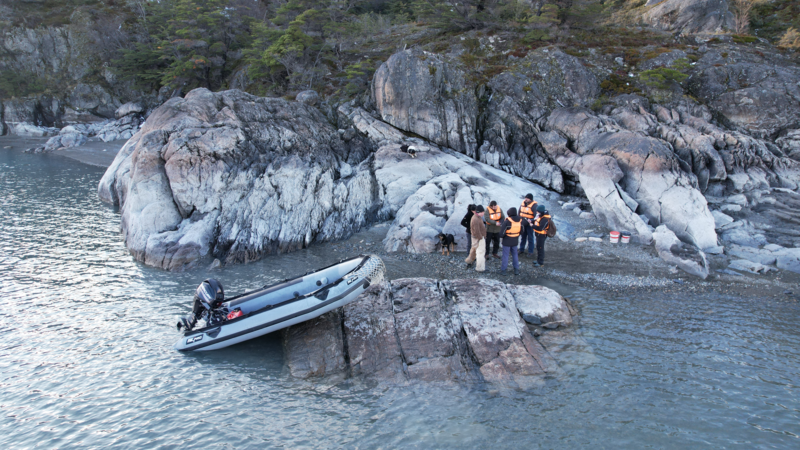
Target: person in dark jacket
527,210
511,230
540,225
465,222
494,220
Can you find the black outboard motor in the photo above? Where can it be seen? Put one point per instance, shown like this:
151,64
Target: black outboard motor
207,298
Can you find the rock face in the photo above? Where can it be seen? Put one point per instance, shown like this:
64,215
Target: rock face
236,176
422,329
421,92
689,16
545,79
651,174
761,97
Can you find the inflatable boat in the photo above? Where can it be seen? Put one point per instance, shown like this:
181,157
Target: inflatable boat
216,322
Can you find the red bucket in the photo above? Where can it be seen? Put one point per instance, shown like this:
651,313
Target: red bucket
614,235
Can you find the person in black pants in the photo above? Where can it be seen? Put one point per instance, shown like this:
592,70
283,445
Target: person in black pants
540,225
465,222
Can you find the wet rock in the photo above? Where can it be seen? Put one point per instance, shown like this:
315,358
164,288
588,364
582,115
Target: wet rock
315,348
423,329
730,208
587,216
672,250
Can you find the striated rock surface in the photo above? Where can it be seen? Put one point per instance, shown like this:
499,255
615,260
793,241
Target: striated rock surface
236,176
423,329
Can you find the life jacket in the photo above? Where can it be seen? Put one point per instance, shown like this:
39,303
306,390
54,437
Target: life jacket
514,229
528,212
539,219
495,214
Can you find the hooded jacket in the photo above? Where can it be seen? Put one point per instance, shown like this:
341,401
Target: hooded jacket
507,240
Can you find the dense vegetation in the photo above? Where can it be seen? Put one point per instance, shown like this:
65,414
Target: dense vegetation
334,46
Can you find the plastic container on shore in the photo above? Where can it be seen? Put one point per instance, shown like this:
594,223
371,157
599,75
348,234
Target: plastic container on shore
614,237
625,237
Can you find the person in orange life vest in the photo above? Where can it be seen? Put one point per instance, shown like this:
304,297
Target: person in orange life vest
478,250
540,225
465,222
511,230
527,211
494,219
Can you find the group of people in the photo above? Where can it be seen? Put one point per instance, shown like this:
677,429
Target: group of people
486,227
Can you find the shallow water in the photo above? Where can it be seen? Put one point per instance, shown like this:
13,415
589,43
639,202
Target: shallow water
86,357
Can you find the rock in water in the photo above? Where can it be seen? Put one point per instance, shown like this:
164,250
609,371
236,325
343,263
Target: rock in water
423,329
236,176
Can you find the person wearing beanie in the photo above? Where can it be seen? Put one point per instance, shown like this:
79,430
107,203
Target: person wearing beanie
540,225
528,212
477,253
494,220
511,230
465,222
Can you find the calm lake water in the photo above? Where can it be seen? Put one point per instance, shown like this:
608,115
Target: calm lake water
86,357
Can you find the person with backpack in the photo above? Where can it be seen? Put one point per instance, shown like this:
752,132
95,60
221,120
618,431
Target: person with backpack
541,226
466,223
511,230
527,211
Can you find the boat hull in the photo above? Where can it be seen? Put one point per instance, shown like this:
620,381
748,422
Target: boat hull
269,318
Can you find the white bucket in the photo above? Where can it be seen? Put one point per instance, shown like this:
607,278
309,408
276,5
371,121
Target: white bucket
626,237
614,236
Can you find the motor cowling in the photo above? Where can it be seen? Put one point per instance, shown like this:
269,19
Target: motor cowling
208,296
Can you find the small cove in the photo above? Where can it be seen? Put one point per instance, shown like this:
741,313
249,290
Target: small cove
86,358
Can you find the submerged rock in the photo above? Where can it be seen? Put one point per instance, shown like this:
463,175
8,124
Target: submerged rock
423,329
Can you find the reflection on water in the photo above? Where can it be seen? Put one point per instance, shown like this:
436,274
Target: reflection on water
86,357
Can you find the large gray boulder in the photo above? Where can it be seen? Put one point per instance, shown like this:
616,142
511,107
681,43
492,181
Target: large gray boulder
236,176
423,93
420,329
689,16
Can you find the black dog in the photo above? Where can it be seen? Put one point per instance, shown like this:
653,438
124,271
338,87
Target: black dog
412,151
448,242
